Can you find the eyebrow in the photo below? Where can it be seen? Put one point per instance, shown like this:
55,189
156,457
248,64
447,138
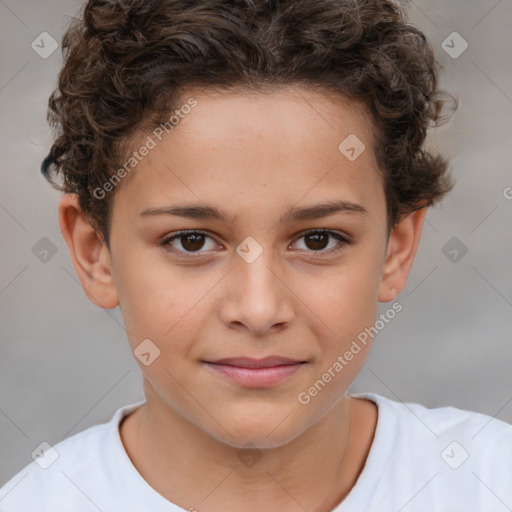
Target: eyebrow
318,211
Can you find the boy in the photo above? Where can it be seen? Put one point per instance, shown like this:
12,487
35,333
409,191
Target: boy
206,149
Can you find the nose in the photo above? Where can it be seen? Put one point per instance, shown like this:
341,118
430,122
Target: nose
256,296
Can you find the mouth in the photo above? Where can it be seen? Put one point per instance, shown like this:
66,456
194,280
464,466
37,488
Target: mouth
256,373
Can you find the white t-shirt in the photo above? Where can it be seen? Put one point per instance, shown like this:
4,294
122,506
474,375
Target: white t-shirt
421,460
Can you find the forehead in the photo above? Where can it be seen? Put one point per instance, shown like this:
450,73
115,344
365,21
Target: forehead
297,115
255,148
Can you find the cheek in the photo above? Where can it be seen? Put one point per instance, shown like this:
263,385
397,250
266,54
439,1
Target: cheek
149,297
346,303
344,297
162,302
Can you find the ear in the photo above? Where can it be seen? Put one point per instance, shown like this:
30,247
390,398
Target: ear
402,246
89,253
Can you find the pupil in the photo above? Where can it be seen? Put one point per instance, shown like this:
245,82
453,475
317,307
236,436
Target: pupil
316,244
196,244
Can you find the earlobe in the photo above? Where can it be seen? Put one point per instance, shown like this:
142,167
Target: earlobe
401,251
89,253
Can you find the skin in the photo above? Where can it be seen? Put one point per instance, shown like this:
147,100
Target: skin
253,155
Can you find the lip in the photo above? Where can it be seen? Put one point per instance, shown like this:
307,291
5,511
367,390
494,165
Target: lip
249,362
256,373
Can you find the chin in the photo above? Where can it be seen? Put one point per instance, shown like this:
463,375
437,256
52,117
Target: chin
257,433
258,440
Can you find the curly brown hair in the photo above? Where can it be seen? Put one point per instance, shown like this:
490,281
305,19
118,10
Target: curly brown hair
127,61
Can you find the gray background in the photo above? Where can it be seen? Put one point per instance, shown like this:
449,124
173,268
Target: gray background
66,364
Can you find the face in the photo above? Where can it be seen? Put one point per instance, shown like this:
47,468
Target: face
274,274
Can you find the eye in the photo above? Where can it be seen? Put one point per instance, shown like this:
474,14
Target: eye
190,241
317,240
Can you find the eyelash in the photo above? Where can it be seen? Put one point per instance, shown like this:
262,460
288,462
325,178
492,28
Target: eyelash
344,241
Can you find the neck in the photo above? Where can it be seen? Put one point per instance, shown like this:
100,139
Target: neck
315,470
